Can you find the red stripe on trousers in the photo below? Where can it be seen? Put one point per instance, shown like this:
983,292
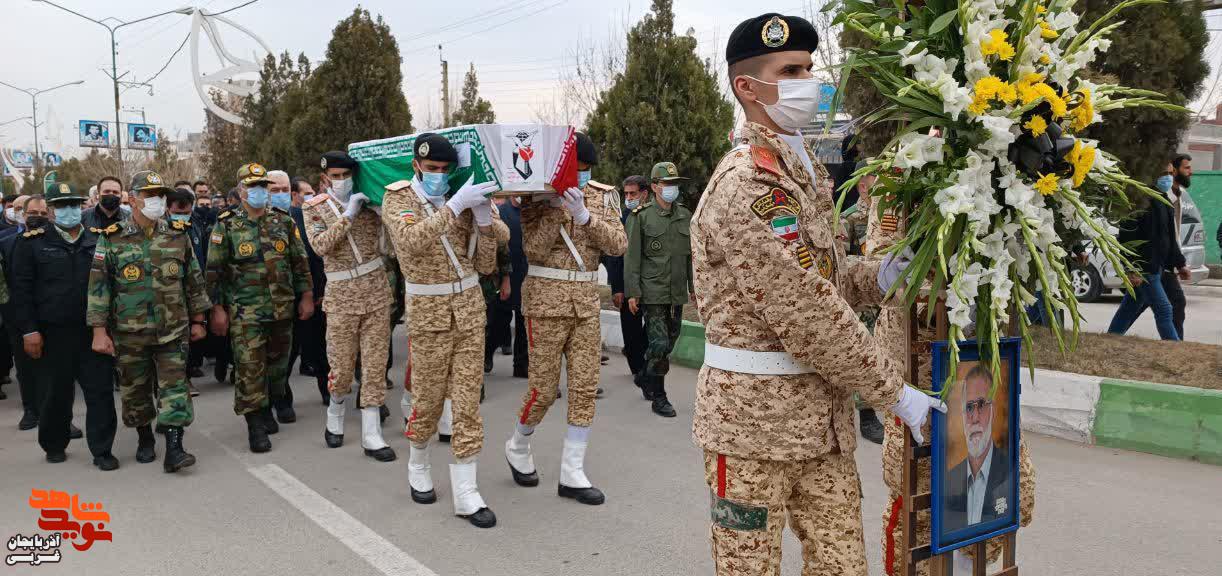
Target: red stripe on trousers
897,506
721,475
534,395
407,372
407,430
530,333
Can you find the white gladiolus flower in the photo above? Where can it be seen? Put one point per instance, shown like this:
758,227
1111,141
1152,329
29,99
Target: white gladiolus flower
955,98
1064,20
917,150
1001,134
954,200
958,311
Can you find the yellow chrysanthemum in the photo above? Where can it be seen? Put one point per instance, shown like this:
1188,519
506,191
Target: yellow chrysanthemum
996,45
988,89
1040,10
1047,184
1046,31
1082,157
1084,113
978,106
1037,126
1045,60
1026,87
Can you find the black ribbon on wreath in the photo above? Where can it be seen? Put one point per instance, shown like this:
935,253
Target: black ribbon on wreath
1044,154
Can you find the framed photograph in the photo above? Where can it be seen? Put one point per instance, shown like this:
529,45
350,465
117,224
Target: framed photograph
94,133
141,136
975,447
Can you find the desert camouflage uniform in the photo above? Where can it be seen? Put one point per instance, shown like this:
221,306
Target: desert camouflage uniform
144,287
881,232
256,268
782,445
446,332
358,309
562,317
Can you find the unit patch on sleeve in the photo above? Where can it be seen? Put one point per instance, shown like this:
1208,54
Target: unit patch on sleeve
775,201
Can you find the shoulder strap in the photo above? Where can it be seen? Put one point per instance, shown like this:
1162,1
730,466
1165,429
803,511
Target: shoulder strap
445,242
355,251
581,265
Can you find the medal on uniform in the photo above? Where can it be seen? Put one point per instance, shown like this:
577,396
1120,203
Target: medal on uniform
279,246
171,269
132,272
246,249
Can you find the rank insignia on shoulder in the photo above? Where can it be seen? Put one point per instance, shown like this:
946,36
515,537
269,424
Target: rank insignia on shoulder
600,186
804,258
112,229
315,201
765,160
95,230
776,200
224,215
178,225
33,233
397,185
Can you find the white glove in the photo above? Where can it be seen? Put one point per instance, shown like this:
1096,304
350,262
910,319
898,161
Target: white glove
470,196
483,214
913,409
575,203
354,205
893,267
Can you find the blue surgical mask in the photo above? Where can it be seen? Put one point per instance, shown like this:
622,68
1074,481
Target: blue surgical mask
184,218
435,183
583,178
68,216
1164,182
282,200
307,197
257,197
670,193
632,204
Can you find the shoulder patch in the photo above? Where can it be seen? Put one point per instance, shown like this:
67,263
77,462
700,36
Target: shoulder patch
178,225
765,160
316,200
398,185
33,233
639,208
224,215
775,201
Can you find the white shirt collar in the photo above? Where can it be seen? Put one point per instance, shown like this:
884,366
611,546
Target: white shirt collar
798,143
977,486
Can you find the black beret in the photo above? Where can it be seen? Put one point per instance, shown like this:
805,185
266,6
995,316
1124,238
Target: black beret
337,159
430,146
586,152
770,33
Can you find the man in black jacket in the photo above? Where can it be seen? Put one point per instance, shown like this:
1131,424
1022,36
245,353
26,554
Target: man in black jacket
26,377
309,336
109,209
51,278
511,308
632,326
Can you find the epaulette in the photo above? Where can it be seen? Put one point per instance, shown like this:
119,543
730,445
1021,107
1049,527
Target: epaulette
110,229
178,225
641,207
280,210
33,233
95,230
765,160
600,186
316,200
224,215
398,185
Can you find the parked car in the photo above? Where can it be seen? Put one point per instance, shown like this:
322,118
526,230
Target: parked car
1098,277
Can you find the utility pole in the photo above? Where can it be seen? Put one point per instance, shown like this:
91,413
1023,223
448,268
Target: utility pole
33,94
445,88
140,110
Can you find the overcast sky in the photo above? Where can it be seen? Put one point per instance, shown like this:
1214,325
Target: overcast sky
518,46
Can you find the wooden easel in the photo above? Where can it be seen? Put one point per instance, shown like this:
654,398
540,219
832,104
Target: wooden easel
911,551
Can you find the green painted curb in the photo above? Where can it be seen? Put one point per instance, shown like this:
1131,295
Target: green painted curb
689,349
1175,421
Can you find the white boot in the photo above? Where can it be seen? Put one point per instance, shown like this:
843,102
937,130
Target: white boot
573,481
467,501
371,435
419,474
334,434
521,460
445,425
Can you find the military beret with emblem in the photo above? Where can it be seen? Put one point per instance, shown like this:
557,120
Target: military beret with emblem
253,173
337,159
586,151
666,172
430,146
63,192
770,33
149,181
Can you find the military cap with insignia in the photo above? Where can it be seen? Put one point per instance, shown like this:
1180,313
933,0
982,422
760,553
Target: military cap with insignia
770,33
586,151
430,146
253,173
666,172
149,181
62,192
337,159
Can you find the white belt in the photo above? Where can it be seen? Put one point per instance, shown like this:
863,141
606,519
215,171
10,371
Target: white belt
560,274
355,273
443,289
751,362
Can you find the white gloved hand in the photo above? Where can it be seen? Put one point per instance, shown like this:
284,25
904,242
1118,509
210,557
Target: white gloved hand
470,196
913,409
893,267
355,202
575,203
483,214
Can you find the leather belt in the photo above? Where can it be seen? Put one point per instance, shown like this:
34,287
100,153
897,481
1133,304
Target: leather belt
561,274
443,289
752,362
357,272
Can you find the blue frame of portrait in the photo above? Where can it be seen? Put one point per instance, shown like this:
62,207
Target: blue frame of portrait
1010,350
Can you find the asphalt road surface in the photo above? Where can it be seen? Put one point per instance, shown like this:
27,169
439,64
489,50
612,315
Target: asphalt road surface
1202,315
304,509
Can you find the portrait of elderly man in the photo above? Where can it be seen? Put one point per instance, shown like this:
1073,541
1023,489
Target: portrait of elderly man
978,488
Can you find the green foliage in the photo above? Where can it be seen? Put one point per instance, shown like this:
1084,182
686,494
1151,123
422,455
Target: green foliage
223,143
269,136
664,106
472,109
861,98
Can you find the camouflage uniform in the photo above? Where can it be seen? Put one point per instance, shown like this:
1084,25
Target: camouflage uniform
358,308
256,267
883,231
144,286
445,331
771,277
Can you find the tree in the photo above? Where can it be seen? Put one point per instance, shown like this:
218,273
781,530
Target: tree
664,106
281,98
222,144
472,109
1160,48
860,98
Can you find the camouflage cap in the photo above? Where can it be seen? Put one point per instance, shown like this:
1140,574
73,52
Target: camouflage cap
253,173
148,181
666,172
63,192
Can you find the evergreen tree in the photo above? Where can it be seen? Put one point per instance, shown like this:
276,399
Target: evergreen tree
472,109
267,137
664,106
223,146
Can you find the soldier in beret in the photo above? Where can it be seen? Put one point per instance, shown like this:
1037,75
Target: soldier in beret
146,301
784,351
443,246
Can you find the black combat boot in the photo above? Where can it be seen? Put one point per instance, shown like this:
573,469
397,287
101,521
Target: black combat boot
871,428
256,432
269,423
175,457
146,449
661,405
29,420
284,410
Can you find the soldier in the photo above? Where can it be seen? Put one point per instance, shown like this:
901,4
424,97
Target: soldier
443,246
657,277
563,239
146,298
51,278
256,268
350,238
784,351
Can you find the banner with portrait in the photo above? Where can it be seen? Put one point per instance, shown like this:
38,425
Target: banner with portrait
94,133
141,136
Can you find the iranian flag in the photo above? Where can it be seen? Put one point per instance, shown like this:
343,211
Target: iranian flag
785,227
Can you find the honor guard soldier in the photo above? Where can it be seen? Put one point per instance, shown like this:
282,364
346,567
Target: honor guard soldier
51,265
256,269
657,277
146,301
564,238
443,247
785,351
350,238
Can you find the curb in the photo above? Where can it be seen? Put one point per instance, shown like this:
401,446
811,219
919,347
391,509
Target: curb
1174,421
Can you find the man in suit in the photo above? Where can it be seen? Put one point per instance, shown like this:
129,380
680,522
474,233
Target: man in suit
978,488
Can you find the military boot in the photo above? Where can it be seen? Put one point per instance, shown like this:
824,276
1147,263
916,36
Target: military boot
175,457
256,432
145,449
871,428
269,420
661,404
445,424
573,481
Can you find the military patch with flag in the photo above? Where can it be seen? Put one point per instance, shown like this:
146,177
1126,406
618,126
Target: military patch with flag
785,227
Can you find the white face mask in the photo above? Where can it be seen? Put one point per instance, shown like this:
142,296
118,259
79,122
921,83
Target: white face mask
11,214
154,208
341,189
797,102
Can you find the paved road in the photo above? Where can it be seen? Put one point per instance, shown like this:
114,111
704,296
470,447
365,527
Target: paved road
1098,511
1201,316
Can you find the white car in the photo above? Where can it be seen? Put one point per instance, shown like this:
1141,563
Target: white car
1098,277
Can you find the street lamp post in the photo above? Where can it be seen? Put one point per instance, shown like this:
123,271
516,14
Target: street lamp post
33,94
114,66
